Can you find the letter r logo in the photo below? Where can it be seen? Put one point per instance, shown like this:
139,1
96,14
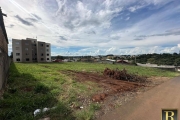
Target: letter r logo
169,114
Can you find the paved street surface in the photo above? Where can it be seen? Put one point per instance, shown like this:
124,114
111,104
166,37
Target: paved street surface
148,105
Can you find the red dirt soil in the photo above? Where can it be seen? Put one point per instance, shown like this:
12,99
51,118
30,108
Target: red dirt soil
111,85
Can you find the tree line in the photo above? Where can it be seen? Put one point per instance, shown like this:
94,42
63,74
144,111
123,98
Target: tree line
160,59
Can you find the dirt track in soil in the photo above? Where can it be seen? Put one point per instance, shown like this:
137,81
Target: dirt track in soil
115,93
111,86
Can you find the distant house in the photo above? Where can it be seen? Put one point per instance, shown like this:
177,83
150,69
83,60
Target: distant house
86,60
110,60
111,55
122,61
76,59
103,57
57,60
96,58
178,68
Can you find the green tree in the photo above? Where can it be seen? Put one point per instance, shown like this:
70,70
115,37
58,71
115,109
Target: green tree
59,57
177,62
151,60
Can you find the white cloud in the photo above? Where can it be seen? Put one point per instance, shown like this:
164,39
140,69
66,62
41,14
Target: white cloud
93,51
179,45
67,23
136,7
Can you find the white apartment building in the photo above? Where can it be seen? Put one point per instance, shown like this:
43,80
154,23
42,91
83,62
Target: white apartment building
31,50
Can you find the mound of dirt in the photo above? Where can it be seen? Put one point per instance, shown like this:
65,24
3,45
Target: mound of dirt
110,85
98,97
123,75
115,92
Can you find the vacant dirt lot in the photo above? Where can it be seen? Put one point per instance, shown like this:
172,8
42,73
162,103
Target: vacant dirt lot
111,86
114,92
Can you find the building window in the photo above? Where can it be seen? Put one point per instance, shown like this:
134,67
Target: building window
27,59
35,53
34,44
47,50
18,59
41,44
17,43
47,54
27,53
42,59
47,58
26,48
47,45
17,48
17,54
42,54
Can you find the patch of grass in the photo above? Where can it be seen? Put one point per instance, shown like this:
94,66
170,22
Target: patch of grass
28,89
85,115
34,86
95,106
88,114
40,88
97,67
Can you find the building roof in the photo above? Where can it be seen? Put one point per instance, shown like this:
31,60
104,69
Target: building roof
2,25
111,60
122,61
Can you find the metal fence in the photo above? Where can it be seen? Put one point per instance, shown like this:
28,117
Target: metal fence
4,68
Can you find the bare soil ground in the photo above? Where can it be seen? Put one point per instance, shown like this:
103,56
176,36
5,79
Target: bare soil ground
115,92
149,105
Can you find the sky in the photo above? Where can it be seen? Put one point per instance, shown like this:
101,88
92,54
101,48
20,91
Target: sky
96,27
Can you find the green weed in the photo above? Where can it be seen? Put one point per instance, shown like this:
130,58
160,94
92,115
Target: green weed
34,86
40,88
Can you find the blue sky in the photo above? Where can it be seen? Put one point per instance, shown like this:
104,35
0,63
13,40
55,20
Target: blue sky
96,27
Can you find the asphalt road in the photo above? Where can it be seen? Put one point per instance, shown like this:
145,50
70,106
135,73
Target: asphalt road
148,105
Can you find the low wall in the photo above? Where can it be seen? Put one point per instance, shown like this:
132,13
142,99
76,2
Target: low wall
163,67
4,68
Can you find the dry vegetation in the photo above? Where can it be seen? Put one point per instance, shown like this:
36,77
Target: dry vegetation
76,90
